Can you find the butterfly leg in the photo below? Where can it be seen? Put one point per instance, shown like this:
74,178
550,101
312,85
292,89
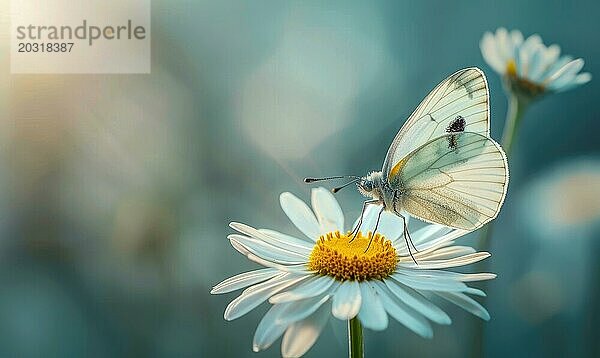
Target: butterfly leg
362,213
376,226
407,238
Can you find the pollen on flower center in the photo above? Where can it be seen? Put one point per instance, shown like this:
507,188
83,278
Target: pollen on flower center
339,256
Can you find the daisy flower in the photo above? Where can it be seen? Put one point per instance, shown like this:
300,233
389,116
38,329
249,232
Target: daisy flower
529,67
332,275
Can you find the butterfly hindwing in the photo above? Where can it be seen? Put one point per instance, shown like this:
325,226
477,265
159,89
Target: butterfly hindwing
458,180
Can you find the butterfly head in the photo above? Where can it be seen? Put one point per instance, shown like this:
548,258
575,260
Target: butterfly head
370,185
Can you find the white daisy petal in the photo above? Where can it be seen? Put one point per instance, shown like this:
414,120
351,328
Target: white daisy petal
552,68
564,74
464,277
537,64
369,218
503,45
429,283
429,232
298,269
241,249
580,79
311,288
328,211
299,310
520,59
531,44
275,240
571,68
371,314
525,54
470,277
418,302
467,303
446,253
391,226
300,215
434,241
267,251
454,262
550,57
254,296
402,313
490,53
534,65
293,243
474,291
516,37
244,280
449,236
268,330
346,300
301,336
280,317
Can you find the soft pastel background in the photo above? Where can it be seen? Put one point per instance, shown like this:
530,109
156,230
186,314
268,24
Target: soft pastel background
116,190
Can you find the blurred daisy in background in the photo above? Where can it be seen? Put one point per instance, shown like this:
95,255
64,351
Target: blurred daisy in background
529,67
364,282
560,210
565,202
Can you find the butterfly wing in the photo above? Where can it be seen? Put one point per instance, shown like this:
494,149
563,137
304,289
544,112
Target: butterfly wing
458,180
464,93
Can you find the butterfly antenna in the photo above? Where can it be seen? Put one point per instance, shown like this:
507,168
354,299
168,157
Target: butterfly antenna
335,190
312,180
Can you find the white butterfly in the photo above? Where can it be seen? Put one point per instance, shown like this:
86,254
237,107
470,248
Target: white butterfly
442,166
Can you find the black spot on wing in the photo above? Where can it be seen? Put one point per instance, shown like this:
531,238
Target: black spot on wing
457,125
452,142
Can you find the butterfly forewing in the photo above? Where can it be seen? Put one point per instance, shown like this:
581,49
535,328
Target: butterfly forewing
463,94
457,180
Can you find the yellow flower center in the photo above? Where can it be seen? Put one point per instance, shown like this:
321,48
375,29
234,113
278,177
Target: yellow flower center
522,84
511,68
340,256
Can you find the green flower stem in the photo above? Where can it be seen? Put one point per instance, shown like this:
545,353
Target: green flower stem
355,338
516,107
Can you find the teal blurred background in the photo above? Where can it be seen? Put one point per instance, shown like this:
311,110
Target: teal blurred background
116,190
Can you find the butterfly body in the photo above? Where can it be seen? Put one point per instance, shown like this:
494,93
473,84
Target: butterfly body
377,187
